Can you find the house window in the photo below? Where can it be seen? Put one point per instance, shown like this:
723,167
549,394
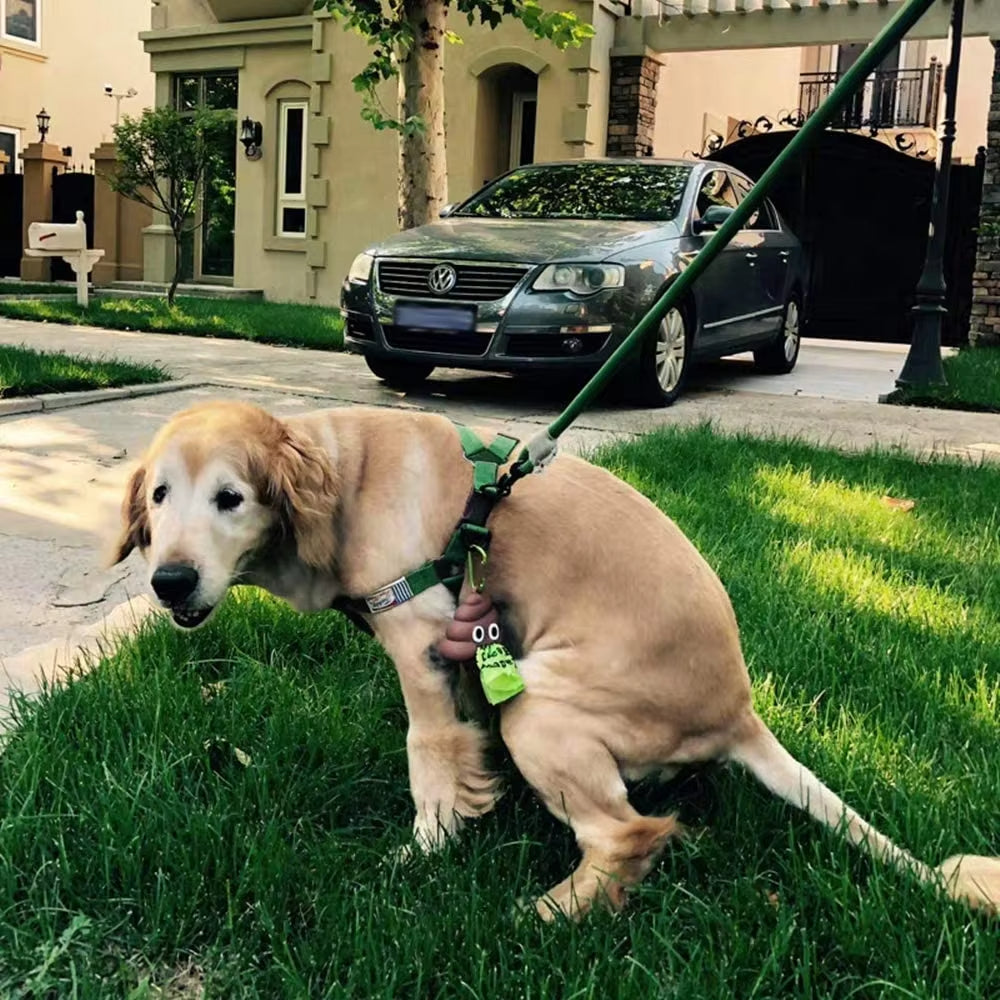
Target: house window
22,20
10,142
524,109
292,169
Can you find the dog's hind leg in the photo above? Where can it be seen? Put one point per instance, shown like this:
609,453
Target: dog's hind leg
579,781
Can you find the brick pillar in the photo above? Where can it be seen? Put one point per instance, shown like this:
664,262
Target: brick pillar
632,106
40,160
118,223
985,326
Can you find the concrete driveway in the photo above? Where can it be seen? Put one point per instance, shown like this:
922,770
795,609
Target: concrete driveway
62,472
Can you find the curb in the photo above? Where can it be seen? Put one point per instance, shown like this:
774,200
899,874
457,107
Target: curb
64,400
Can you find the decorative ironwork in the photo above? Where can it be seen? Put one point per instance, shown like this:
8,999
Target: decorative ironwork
921,145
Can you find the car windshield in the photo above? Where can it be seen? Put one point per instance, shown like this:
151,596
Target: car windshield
645,192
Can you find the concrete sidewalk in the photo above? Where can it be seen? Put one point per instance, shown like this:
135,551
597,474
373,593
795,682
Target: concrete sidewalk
62,473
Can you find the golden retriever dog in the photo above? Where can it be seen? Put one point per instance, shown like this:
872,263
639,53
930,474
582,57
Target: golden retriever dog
625,637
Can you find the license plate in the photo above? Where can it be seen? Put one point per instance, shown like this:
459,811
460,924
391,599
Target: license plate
446,319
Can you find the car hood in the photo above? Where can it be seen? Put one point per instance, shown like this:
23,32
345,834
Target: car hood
521,240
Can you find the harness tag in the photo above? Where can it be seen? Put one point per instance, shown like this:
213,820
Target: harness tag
390,596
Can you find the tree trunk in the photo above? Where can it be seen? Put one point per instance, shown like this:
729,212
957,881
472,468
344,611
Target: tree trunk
423,168
172,291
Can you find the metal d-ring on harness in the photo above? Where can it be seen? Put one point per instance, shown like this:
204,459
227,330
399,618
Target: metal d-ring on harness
471,532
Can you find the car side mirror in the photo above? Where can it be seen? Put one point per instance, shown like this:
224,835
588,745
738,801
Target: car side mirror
714,217
448,210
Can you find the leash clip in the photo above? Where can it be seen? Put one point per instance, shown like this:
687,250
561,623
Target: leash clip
476,585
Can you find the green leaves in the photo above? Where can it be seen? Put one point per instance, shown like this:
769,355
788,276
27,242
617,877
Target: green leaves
388,29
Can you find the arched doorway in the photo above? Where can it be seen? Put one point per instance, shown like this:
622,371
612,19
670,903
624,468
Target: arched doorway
506,115
862,212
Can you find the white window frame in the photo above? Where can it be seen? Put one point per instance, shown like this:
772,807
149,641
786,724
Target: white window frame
516,118
16,39
16,133
285,200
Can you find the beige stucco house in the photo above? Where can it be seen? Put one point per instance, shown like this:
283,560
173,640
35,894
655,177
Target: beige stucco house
658,77
60,55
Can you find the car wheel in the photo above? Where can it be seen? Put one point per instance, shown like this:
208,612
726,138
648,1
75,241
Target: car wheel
399,374
665,360
779,356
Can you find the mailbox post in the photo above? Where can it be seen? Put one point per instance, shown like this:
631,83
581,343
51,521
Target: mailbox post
69,241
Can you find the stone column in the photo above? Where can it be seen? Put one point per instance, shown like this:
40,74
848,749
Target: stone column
118,223
41,160
985,326
632,107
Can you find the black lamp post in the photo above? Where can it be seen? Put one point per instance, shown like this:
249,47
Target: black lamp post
923,362
43,118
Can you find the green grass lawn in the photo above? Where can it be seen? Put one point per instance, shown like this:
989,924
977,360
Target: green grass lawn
973,376
25,372
265,322
137,845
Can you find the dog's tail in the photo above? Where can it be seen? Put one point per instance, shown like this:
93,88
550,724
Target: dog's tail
972,879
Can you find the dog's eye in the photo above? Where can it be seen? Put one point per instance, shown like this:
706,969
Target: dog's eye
160,493
228,499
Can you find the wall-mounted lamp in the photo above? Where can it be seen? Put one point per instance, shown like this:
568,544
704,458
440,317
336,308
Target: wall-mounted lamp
43,118
251,135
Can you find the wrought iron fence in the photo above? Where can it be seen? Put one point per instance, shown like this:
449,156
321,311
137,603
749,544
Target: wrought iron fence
897,98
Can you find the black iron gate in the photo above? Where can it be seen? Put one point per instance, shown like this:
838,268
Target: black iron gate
72,192
862,212
11,216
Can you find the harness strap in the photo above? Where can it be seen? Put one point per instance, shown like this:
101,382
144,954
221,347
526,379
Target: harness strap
470,531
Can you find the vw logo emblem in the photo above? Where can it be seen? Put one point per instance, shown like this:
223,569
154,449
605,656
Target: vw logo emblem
442,279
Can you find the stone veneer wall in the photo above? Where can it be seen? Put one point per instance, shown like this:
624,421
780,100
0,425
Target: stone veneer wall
985,327
632,108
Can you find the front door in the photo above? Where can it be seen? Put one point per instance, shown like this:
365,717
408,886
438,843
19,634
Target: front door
209,254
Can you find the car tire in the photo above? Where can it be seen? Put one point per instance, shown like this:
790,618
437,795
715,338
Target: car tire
664,360
781,354
399,374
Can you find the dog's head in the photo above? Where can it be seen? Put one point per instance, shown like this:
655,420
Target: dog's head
219,483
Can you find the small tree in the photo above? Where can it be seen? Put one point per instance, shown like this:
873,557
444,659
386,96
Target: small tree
407,39
165,160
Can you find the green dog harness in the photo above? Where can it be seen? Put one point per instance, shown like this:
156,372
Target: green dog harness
470,534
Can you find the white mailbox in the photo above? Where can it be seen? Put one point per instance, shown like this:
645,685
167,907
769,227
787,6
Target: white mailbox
57,239
58,235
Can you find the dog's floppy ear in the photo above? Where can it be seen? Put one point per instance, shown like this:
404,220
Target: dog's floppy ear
135,518
299,482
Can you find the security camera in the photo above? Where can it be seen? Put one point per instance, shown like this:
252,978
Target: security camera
108,89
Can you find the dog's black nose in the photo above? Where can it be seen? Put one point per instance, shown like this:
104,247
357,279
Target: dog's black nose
174,583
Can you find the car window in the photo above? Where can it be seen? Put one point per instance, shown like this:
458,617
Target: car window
644,192
764,218
716,189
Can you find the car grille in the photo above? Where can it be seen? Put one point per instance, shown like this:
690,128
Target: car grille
550,345
476,282
470,344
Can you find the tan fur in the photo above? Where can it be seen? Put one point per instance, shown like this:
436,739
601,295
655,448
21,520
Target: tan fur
631,652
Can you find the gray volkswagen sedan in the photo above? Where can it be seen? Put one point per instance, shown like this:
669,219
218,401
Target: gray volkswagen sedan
549,267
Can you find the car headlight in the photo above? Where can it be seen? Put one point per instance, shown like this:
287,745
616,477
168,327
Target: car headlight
580,279
361,269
